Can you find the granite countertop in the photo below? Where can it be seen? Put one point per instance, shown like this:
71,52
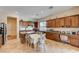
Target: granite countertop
63,33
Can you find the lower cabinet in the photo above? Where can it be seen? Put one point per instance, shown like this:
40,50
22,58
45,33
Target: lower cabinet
74,40
53,36
22,38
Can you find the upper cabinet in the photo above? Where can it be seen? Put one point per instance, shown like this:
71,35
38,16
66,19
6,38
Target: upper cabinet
74,21
57,23
49,23
64,22
67,22
53,23
36,24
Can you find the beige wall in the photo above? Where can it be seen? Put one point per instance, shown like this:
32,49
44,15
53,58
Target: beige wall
3,18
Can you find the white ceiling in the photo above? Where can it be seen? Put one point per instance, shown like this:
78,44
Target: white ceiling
33,11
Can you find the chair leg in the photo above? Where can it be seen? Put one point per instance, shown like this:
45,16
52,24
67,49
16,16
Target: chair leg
32,45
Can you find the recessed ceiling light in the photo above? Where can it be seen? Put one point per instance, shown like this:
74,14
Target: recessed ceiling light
51,7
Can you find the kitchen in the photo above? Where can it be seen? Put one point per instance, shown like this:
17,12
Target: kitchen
59,23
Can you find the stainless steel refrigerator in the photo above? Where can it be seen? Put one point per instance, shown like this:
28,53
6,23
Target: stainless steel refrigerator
3,32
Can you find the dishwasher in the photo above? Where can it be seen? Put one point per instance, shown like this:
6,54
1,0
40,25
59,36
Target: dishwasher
64,38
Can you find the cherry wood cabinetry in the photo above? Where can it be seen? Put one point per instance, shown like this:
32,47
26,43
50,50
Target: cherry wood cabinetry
69,22
74,40
74,21
49,25
53,23
52,36
36,24
62,22
57,24
22,38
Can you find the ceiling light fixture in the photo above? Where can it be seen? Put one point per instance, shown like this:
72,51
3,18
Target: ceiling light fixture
51,7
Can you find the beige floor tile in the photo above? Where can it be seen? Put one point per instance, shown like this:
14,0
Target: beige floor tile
14,46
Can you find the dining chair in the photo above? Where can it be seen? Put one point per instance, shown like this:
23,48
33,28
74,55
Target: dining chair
41,42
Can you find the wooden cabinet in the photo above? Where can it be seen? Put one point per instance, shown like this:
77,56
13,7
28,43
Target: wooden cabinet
57,24
22,38
52,36
74,21
36,24
74,40
67,22
49,35
53,23
49,24
62,22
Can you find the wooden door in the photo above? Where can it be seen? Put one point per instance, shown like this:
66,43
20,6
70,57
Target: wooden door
11,27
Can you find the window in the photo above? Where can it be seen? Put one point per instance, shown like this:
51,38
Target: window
29,28
22,28
42,25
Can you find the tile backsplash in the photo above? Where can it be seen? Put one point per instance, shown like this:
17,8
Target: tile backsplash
66,30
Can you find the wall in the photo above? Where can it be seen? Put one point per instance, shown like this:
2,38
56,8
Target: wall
3,18
18,18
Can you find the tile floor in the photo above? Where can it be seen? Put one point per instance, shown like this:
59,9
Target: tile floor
14,46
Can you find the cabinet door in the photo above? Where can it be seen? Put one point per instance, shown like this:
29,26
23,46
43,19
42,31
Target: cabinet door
56,36
74,21
67,22
49,35
53,23
57,23
74,41
49,24
62,22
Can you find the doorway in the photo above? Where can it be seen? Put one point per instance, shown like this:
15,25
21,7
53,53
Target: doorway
11,28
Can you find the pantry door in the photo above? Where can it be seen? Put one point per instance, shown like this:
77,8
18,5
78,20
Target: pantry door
12,27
